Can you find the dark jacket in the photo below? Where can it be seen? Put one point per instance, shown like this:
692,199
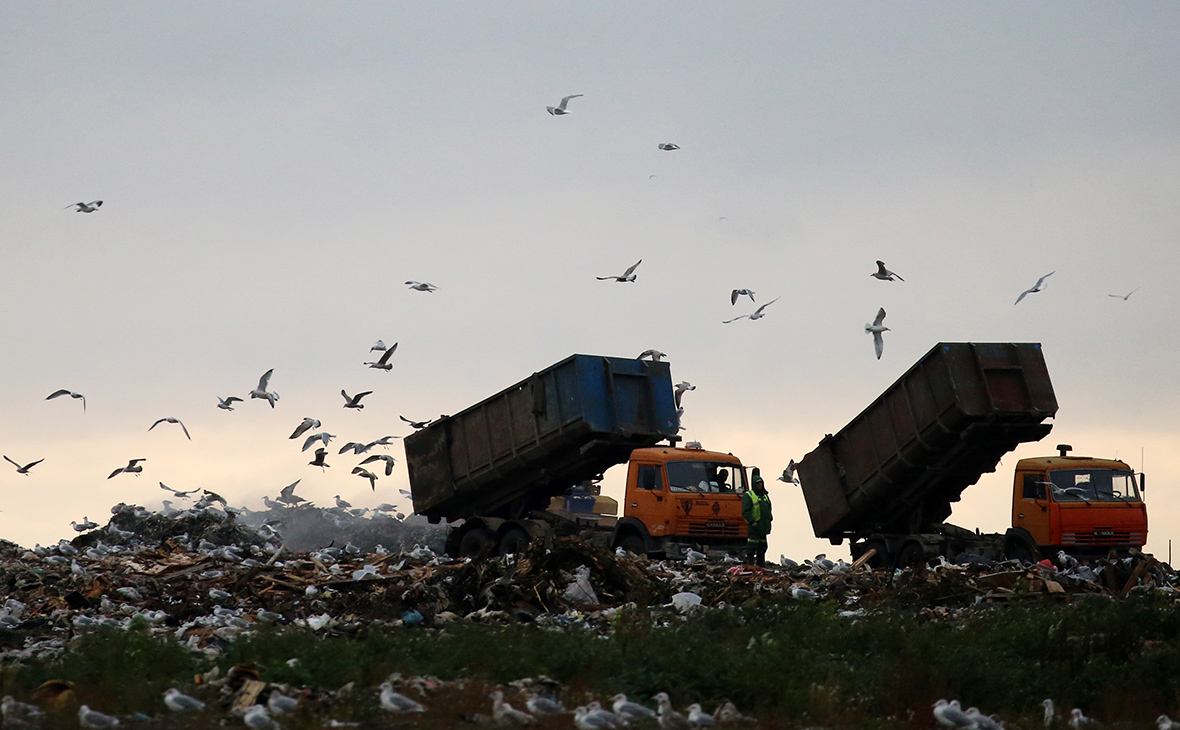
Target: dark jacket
761,528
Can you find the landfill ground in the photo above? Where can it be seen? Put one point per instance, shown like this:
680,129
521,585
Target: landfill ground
234,608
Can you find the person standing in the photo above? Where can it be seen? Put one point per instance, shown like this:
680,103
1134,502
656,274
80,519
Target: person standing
756,510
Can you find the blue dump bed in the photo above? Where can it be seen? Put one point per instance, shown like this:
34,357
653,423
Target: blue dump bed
509,454
897,467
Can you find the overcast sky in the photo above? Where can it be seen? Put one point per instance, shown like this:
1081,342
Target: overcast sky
272,172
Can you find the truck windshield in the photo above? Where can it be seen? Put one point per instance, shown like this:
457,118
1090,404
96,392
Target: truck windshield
1093,485
705,476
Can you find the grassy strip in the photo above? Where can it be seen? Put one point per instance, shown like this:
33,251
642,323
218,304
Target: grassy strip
1119,660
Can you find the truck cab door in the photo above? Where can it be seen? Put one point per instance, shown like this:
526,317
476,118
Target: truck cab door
646,497
1030,506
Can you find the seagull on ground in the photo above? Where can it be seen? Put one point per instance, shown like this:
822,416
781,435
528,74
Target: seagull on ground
85,207
393,701
364,473
92,719
1163,722
304,426
506,715
227,404
178,701
320,453
389,462
23,469
288,496
1124,297
84,525
541,705
733,295
382,363
1079,721
596,715
280,704
257,718
629,710
699,718
132,467
262,392
655,355
884,274
758,313
875,329
1039,286
628,275
354,401
81,397
679,389
341,503
669,146
415,424
323,436
788,475
558,110
949,714
670,719
170,419
421,286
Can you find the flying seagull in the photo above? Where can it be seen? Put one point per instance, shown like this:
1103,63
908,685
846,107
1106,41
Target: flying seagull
788,475
385,441
262,392
355,447
288,496
668,146
306,425
415,424
170,419
1039,286
758,313
177,492
420,286
382,362
628,275
227,404
132,467
884,274
320,453
875,329
389,462
81,397
366,474
679,388
733,295
380,345
1116,296
23,469
558,110
354,401
654,354
85,207
323,436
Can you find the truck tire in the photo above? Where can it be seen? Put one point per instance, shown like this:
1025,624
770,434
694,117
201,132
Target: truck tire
633,543
514,542
478,542
912,555
882,559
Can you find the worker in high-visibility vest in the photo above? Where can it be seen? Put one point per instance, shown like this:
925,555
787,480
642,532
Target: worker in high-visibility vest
756,510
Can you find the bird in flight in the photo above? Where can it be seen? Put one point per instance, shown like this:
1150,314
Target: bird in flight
558,110
355,447
380,345
85,207
758,313
415,424
1039,286
884,274
81,397
170,419
875,329
262,392
227,404
420,286
177,492
354,401
323,436
668,146
389,462
680,388
788,475
306,425
288,496
654,354
23,469
383,363
132,467
733,295
320,453
366,474
384,441
628,275
1116,296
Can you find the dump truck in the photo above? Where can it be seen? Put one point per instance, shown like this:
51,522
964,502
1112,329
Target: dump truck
887,480
522,465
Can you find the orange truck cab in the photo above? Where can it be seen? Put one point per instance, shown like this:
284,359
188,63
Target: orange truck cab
1079,504
682,497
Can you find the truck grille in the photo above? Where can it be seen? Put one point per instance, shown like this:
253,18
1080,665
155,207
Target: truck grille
1102,536
714,529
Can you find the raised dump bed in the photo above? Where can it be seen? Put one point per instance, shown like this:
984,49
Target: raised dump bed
512,452
897,467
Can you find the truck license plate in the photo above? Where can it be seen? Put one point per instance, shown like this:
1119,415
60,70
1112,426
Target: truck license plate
715,525
1104,533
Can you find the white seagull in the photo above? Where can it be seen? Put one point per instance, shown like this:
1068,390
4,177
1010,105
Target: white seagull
558,110
85,207
875,329
304,426
92,719
654,354
354,401
629,710
421,286
884,274
1078,721
262,392
81,397
288,496
628,275
170,419
227,404
949,714
668,146
323,436
178,701
788,475
84,525
758,313
380,345
23,469
364,473
132,467
382,363
505,714
1039,286
679,389
415,424
733,295
393,701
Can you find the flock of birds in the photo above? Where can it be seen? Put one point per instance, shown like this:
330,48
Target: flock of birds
952,715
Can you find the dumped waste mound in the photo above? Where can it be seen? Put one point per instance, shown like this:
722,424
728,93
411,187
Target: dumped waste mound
153,528
308,527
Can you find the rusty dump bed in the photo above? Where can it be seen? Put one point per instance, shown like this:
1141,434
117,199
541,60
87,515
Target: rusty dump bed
511,453
897,467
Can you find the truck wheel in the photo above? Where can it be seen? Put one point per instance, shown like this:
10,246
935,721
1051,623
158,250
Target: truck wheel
1022,552
911,556
633,543
477,542
882,559
514,542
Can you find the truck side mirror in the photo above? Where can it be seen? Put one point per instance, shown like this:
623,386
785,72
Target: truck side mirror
1142,482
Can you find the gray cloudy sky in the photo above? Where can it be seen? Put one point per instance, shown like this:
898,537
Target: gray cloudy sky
273,172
